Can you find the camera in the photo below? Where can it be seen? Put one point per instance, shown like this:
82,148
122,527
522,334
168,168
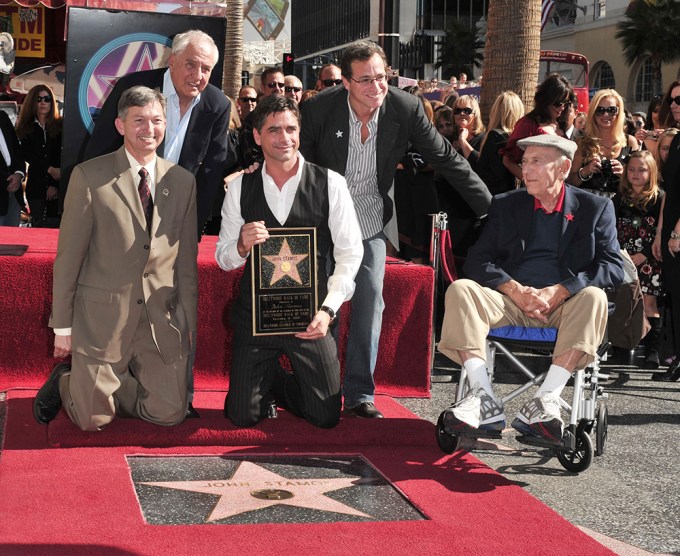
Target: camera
606,167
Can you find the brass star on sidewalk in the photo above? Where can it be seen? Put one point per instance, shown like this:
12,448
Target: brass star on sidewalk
253,487
285,264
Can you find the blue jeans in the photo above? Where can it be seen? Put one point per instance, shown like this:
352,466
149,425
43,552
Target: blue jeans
365,324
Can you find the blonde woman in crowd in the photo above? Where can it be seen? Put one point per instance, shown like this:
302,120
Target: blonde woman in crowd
506,111
605,146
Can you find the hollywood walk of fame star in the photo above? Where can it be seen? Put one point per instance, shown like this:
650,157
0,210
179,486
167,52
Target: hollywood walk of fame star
285,264
248,489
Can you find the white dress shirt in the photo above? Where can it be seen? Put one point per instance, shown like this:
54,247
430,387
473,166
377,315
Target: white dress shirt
342,221
175,126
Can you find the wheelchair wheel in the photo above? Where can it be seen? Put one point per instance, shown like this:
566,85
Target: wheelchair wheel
581,457
448,443
601,429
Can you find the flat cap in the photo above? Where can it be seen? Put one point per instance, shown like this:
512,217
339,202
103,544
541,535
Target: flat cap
565,146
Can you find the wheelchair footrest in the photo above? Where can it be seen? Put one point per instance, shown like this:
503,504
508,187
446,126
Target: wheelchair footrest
568,442
475,433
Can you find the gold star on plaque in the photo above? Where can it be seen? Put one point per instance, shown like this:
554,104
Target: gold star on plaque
285,264
253,487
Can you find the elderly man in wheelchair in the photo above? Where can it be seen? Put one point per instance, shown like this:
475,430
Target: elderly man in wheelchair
542,260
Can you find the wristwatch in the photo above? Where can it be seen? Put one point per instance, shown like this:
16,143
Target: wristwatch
330,312
675,235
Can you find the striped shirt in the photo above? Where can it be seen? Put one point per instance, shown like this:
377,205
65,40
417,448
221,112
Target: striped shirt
362,175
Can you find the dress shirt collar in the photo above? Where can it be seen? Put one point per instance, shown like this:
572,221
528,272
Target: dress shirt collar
559,207
150,167
293,180
353,120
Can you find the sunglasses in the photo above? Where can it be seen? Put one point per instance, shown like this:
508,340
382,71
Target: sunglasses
46,98
675,100
561,104
459,111
611,110
248,99
293,89
276,85
639,123
331,82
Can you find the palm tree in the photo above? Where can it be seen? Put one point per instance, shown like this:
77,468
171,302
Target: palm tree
460,52
649,30
233,49
511,55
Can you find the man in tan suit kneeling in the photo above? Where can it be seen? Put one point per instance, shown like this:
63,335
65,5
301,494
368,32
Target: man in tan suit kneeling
125,281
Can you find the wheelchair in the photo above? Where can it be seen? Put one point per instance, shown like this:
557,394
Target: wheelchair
587,412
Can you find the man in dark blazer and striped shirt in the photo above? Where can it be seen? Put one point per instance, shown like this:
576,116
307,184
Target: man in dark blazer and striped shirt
362,130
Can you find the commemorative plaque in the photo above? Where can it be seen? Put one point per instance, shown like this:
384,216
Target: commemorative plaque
283,279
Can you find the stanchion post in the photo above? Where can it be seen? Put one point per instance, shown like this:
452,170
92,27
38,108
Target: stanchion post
439,224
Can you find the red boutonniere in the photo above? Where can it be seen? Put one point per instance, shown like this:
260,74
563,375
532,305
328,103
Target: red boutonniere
569,216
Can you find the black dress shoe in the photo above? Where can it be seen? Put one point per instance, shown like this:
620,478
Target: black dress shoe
192,413
366,410
47,401
671,375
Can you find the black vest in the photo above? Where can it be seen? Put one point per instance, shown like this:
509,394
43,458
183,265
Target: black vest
310,209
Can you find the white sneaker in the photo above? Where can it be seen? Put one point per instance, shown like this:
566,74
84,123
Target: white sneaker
478,410
541,417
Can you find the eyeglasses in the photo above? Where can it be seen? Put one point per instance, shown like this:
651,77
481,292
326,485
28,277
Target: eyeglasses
675,100
46,98
276,85
459,111
331,82
293,89
248,99
611,110
367,81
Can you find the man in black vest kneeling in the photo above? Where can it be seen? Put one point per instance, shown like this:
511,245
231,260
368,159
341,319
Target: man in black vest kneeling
287,192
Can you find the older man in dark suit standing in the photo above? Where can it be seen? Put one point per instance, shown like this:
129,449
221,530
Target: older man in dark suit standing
362,130
198,117
542,260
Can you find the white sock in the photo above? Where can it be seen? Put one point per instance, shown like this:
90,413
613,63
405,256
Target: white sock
476,373
554,382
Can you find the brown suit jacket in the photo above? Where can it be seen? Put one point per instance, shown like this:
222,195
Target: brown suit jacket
108,270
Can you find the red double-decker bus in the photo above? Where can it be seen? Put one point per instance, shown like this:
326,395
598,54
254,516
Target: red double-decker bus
574,67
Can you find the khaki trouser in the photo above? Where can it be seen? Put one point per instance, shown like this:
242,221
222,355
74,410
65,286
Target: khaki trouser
140,385
471,310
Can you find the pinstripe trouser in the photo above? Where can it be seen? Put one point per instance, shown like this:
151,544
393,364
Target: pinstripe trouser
312,391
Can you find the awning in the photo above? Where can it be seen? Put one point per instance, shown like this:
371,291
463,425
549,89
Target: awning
208,8
33,3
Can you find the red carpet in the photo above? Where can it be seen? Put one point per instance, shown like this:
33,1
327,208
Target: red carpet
81,500
402,370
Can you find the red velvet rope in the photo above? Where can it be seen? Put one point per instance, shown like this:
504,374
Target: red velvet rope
446,257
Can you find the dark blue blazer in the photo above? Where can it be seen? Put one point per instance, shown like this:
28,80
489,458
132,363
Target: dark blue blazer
588,252
324,140
206,151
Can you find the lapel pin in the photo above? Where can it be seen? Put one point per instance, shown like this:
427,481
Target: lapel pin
569,216
338,134
166,192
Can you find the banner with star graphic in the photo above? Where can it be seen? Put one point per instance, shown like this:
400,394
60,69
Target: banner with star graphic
283,280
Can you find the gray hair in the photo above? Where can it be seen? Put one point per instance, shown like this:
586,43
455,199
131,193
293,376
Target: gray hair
196,37
139,96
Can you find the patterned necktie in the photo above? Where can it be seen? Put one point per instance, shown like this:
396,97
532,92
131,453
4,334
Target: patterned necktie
145,197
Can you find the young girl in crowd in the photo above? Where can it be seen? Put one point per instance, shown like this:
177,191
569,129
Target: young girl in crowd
638,209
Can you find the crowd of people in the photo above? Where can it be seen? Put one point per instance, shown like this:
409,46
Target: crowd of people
364,151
